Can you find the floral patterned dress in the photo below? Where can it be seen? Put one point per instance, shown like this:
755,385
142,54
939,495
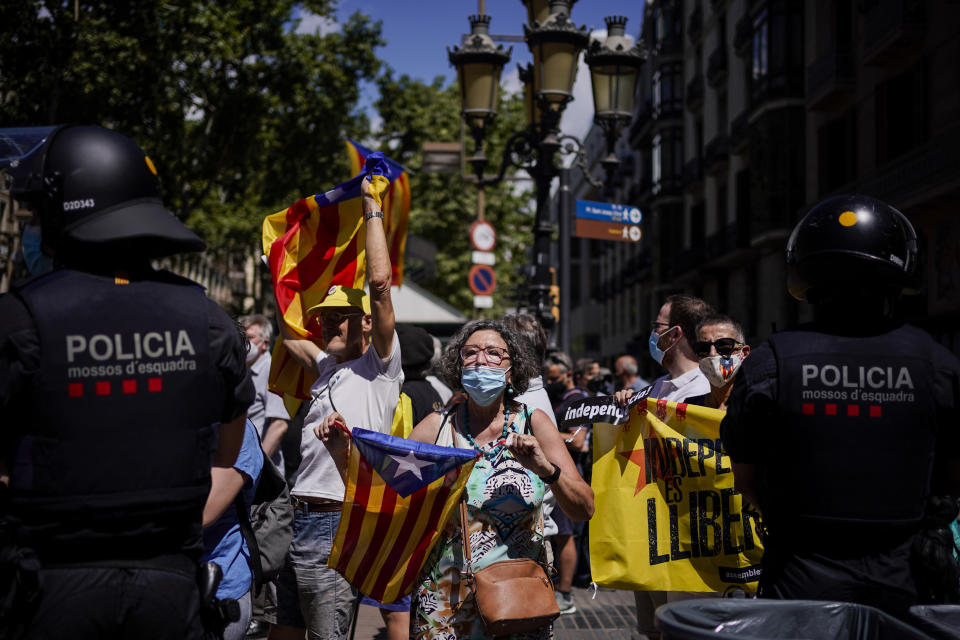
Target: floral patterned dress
504,516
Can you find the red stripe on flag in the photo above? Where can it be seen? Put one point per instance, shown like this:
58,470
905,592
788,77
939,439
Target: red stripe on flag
357,510
345,272
390,564
387,508
419,555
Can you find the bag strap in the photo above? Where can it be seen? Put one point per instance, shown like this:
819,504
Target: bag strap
246,529
465,537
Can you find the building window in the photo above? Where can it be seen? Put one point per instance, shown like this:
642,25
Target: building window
777,64
760,49
902,107
667,89
667,158
666,24
837,152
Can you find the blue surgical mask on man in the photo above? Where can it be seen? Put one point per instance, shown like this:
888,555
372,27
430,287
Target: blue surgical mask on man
655,351
483,384
32,245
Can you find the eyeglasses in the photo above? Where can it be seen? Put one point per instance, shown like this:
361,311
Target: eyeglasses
336,317
724,346
493,355
657,323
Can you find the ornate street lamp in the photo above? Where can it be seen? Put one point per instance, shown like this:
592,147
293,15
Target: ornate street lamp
614,69
479,63
556,44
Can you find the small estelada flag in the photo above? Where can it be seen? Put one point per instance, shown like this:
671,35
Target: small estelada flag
399,496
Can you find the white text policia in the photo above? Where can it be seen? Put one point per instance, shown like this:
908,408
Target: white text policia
154,344
865,384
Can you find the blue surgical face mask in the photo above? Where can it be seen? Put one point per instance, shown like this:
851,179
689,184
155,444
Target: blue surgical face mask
656,352
483,384
32,244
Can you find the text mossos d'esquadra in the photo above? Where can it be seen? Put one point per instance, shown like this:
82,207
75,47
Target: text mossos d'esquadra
151,352
856,383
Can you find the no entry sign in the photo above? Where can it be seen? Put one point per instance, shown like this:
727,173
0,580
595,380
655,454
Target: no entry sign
482,280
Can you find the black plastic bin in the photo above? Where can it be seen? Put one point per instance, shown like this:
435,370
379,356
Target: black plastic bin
774,619
940,621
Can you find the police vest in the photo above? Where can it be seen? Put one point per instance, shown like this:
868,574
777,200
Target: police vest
117,458
856,429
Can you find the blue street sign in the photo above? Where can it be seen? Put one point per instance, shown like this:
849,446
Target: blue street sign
608,212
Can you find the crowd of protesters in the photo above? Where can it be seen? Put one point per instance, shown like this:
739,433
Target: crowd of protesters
111,549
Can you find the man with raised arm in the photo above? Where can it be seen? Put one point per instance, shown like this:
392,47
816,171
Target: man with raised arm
358,375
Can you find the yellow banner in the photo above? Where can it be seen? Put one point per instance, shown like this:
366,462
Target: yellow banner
667,515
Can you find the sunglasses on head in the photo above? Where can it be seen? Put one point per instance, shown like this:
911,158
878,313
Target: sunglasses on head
724,346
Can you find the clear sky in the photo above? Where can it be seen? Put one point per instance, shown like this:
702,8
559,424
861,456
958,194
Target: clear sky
419,32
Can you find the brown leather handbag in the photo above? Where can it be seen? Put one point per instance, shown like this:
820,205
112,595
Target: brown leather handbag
513,596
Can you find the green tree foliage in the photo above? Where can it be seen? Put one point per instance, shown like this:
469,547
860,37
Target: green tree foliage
240,114
443,206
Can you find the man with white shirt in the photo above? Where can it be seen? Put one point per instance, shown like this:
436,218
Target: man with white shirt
358,375
671,345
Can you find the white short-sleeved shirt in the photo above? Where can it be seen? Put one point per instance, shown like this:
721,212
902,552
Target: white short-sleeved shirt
688,385
365,392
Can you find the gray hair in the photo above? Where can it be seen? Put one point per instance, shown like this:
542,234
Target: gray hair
259,320
628,364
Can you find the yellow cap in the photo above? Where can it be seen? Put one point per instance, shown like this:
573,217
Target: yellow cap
339,297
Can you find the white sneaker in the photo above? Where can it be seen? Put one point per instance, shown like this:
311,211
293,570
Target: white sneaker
565,602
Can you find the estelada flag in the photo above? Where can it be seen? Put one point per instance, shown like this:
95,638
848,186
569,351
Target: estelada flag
667,516
314,244
399,496
396,204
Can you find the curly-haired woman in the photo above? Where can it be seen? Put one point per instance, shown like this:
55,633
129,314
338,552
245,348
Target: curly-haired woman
521,453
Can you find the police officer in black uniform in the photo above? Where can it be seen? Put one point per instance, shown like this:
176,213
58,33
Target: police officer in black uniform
843,430
119,387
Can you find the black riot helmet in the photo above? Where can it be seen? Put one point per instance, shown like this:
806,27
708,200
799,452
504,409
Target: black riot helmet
852,243
96,189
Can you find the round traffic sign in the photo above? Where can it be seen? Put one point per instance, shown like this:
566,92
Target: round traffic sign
483,236
482,280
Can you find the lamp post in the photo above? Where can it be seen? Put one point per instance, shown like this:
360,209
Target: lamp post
555,43
614,68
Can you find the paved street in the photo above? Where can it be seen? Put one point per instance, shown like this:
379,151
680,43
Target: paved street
610,616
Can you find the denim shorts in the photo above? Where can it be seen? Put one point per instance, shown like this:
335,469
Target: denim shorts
309,595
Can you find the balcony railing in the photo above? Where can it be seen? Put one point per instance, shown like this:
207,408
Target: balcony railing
694,93
890,27
717,66
717,154
739,133
743,35
695,25
830,77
